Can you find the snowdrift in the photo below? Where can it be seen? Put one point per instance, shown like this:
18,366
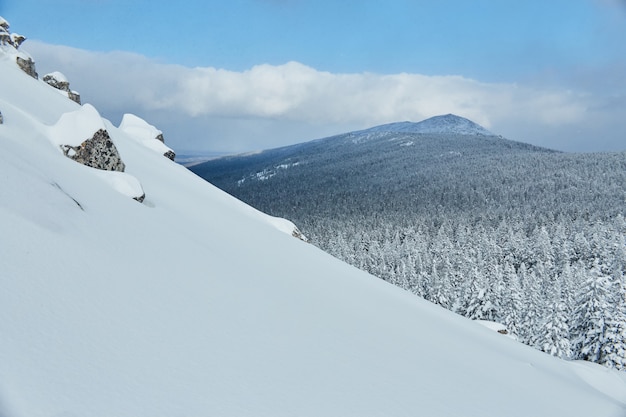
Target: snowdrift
192,303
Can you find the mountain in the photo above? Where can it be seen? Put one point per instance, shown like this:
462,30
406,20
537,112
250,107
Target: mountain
398,158
446,124
489,228
193,303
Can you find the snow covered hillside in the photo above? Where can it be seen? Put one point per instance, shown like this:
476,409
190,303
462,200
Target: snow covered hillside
192,303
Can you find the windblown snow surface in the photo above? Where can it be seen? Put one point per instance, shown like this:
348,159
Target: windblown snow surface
194,304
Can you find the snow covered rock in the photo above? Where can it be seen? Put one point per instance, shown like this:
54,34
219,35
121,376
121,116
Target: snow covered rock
97,152
146,134
60,82
82,136
4,24
17,40
13,42
57,80
5,37
27,65
74,96
74,134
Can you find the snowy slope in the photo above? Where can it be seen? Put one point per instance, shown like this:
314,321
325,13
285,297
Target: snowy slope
445,124
194,304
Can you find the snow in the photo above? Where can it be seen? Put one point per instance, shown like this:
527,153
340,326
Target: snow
73,128
121,182
194,304
143,132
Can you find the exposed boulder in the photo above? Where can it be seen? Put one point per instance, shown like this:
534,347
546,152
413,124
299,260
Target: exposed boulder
98,152
60,82
27,65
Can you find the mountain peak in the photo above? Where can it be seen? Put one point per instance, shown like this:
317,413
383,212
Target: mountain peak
448,123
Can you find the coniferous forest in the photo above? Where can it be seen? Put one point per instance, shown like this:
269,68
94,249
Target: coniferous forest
486,227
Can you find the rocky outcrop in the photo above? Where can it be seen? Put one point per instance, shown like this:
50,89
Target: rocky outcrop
27,65
58,81
98,152
6,37
1,118
24,61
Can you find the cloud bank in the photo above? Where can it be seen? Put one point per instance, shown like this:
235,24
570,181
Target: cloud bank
271,105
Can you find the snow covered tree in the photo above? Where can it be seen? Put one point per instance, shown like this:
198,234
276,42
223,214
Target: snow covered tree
512,303
553,337
600,321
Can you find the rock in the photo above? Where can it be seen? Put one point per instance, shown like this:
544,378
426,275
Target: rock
1,118
58,81
17,40
170,154
5,37
4,24
27,65
98,152
74,96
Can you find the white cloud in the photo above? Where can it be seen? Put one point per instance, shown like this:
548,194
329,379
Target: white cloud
293,93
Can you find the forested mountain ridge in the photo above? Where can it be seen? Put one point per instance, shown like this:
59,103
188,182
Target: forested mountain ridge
487,227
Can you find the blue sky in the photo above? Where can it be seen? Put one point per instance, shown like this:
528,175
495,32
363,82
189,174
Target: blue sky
549,73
